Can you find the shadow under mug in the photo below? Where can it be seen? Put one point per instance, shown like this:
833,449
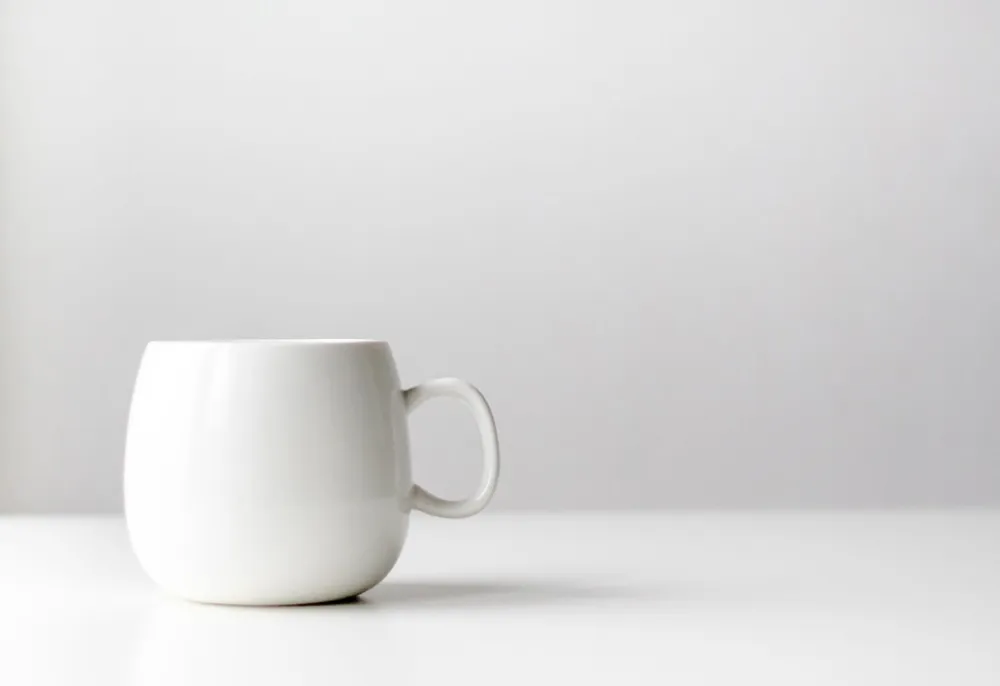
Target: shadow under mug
276,472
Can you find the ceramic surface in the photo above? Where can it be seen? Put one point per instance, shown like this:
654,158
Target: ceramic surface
278,472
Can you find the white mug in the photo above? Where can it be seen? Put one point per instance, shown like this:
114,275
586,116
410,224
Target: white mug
277,472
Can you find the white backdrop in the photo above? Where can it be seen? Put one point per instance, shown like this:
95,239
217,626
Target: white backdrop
695,253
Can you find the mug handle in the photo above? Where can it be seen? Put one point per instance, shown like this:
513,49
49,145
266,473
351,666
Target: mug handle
474,400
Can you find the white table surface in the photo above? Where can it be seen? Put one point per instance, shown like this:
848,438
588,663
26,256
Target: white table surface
656,598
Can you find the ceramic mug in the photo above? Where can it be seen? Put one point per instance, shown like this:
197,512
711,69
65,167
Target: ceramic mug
277,472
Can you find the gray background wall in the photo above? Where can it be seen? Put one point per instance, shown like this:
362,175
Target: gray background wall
696,253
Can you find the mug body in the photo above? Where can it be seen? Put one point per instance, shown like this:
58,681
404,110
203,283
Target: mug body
267,472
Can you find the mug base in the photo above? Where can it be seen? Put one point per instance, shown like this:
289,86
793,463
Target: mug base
346,600
351,598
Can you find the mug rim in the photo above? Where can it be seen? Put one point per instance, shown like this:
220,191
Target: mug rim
271,341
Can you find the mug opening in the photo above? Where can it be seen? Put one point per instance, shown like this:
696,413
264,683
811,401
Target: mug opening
277,341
